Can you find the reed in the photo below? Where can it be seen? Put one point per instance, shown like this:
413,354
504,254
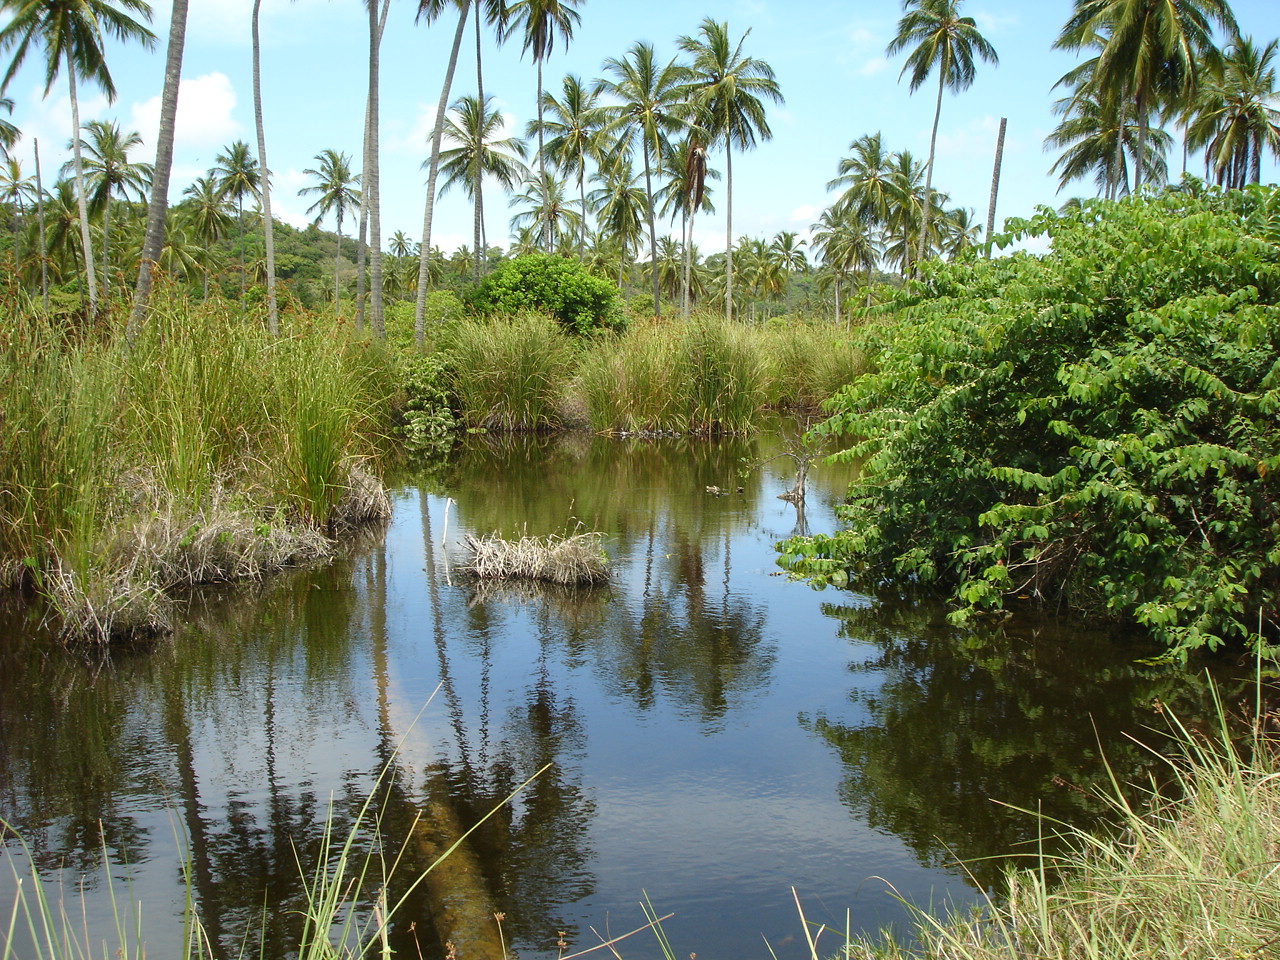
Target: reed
720,376
577,560
629,383
807,363
509,373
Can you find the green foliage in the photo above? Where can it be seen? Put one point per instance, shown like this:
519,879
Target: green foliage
1095,427
428,422
553,285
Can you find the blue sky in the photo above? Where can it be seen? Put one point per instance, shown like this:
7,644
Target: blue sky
829,57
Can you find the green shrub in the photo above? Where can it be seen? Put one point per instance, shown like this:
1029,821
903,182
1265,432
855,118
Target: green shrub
1095,427
552,285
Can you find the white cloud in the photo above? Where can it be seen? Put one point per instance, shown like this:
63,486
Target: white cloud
805,214
873,66
286,205
205,108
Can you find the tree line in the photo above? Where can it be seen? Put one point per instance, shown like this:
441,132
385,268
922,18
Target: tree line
607,158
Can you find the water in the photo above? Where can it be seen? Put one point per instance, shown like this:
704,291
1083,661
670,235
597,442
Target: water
715,735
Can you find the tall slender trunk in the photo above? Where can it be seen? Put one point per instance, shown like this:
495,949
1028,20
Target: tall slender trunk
1117,162
475,182
686,230
264,180
995,184
82,203
158,203
1139,167
370,182
542,171
337,262
582,202
837,298
928,176
424,252
728,232
106,246
653,233
44,258
362,257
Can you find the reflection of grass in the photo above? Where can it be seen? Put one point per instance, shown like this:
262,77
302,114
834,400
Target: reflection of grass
1196,876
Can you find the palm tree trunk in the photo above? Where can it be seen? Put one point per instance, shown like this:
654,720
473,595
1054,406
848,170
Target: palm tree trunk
106,246
542,172
928,175
582,200
424,253
337,262
44,258
264,178
728,232
82,203
1117,162
475,184
158,203
362,257
995,184
370,182
1139,170
653,234
837,298
686,228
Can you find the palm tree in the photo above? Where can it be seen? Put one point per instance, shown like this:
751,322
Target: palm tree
1234,119
8,132
1151,52
940,38
651,107
206,215
238,177
845,244
865,177
1095,138
109,172
335,186
158,204
542,20
958,231
264,182
16,189
72,33
618,204
904,224
686,193
474,131
575,130
546,210
785,252
728,90
430,10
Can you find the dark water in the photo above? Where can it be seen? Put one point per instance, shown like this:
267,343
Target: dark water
715,734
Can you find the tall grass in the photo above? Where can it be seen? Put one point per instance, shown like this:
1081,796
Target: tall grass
509,373
117,458
1194,873
806,363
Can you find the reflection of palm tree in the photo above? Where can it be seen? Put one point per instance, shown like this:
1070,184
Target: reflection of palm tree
939,37
72,32
474,129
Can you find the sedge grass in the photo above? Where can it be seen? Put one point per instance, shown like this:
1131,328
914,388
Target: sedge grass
576,560
1193,873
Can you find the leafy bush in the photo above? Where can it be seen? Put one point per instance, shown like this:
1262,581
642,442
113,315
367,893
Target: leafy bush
553,285
1095,427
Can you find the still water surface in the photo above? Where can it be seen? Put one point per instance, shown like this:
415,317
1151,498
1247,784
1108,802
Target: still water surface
716,735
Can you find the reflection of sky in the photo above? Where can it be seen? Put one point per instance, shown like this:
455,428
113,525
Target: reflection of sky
716,813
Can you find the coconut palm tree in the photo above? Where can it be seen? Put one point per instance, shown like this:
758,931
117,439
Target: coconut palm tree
206,215
238,177
158,203
619,204
1151,53
72,34
686,193
1234,118
786,253
651,106
845,242
474,129
546,210
8,132
16,189
1096,138
905,220
865,179
336,193
938,37
575,134
430,10
729,89
541,20
108,173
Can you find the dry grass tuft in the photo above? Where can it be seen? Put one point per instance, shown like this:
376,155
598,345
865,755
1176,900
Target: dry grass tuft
363,501
577,560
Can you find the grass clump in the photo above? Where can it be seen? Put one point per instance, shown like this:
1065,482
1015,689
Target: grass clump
203,450
509,373
577,560
1194,873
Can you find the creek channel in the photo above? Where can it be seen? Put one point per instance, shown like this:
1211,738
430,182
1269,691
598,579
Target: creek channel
714,734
